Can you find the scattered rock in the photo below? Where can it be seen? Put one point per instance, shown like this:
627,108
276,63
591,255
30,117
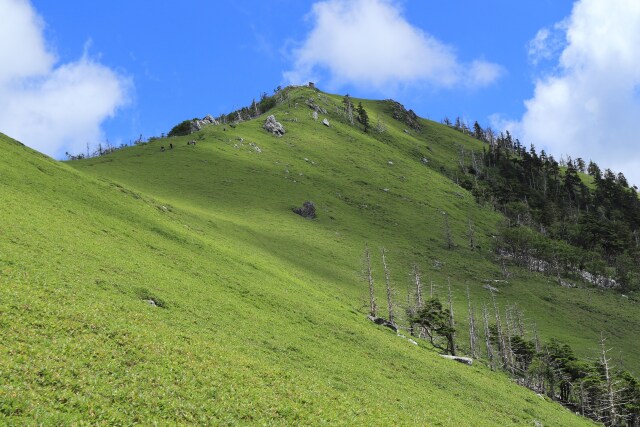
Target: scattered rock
412,341
255,147
308,210
424,160
273,126
386,190
325,122
406,131
150,302
315,115
390,162
465,360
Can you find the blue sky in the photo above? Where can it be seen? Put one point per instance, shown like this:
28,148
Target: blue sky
560,74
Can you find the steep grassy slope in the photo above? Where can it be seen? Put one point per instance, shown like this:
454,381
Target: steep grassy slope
369,188
256,316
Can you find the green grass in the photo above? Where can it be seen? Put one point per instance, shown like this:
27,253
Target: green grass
259,316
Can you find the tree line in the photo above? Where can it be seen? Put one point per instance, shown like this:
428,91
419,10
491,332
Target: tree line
567,215
504,340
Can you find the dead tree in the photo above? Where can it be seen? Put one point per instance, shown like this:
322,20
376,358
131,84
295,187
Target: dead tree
487,337
373,308
419,300
418,281
411,310
508,319
348,108
452,323
388,283
609,406
473,334
500,336
461,160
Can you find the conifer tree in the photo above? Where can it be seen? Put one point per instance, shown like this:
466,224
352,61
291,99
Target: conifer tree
363,117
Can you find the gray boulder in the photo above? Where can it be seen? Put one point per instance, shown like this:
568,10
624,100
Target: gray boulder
308,210
273,126
383,322
465,360
325,122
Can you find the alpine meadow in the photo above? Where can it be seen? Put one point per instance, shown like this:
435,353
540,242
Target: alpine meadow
312,268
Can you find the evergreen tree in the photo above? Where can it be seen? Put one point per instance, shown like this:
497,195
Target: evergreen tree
363,117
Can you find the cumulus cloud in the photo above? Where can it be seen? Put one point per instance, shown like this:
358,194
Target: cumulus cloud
51,107
369,43
589,104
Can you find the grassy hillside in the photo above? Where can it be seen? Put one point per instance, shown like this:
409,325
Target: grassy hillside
369,188
257,314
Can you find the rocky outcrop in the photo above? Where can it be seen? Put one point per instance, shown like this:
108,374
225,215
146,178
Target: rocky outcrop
312,104
273,126
408,117
196,124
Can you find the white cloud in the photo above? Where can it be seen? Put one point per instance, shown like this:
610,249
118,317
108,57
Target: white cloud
548,43
369,43
589,105
51,107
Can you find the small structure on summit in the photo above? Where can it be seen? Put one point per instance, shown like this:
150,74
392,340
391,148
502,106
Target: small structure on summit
273,126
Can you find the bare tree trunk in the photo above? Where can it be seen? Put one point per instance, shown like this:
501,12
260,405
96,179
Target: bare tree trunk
509,350
461,161
473,336
501,344
411,311
451,320
418,279
373,308
388,283
487,337
610,398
